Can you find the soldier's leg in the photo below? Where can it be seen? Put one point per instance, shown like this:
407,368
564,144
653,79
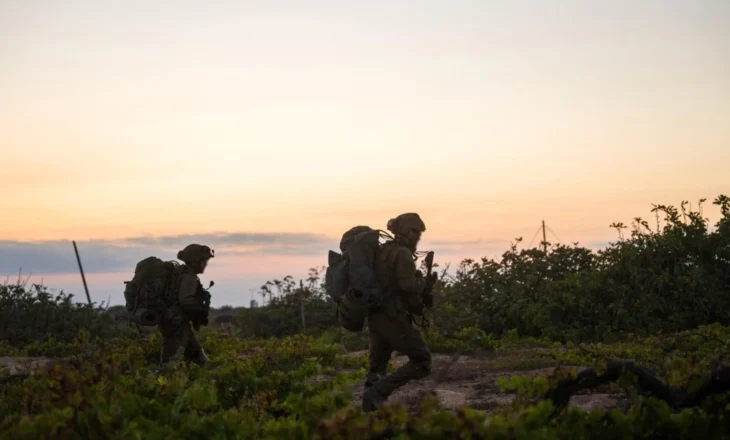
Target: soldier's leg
380,353
193,350
403,337
173,337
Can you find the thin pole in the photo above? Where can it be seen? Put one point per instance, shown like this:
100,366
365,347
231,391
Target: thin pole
544,237
81,269
301,293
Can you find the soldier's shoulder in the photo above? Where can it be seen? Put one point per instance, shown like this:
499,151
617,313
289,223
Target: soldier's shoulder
185,269
395,251
403,253
187,274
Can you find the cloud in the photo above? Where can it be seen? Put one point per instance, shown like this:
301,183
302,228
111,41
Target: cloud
107,256
57,257
469,243
242,243
488,246
600,245
232,239
120,256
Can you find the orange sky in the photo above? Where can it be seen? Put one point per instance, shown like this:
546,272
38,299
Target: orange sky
122,120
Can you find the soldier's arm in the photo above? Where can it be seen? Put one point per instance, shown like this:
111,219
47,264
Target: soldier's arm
411,284
186,295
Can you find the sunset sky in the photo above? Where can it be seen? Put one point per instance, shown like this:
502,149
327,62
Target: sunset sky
267,128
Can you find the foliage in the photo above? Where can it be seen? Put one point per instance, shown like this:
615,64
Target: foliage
251,389
292,308
300,387
350,341
652,420
466,340
33,314
673,278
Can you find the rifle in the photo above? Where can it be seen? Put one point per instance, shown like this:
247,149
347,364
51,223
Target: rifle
204,297
429,263
427,296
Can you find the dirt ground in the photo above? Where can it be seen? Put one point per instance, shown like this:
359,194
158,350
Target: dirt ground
471,381
16,365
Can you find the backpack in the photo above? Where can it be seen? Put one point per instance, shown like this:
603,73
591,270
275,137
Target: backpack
151,290
350,277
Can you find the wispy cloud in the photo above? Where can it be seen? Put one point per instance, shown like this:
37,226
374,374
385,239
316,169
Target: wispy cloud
105,256
231,239
487,246
57,257
598,245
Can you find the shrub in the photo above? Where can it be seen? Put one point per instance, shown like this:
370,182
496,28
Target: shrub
33,314
672,278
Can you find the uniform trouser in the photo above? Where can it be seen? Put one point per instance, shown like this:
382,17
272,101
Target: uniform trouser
388,333
176,336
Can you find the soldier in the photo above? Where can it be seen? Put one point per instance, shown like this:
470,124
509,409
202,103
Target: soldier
408,294
190,309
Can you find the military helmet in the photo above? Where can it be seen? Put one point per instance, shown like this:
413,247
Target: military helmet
195,252
405,223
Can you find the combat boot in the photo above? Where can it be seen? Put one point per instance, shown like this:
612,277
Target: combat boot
372,400
370,380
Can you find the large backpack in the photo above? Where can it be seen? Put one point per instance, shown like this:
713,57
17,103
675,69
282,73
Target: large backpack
350,277
151,291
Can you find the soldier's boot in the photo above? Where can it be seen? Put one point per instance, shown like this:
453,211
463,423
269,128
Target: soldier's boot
412,370
370,380
372,400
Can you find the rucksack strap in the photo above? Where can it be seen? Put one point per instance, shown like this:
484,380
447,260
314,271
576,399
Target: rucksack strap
385,234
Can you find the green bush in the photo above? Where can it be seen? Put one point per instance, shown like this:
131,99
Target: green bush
283,317
673,278
292,308
33,314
